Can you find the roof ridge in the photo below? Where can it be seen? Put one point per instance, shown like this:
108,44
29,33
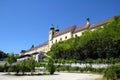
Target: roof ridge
40,45
71,28
81,28
100,23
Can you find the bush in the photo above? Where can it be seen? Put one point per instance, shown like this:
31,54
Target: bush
80,69
99,70
51,67
75,69
5,67
1,68
11,69
17,68
112,72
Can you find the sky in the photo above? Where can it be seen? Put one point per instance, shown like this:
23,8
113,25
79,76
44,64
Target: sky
24,23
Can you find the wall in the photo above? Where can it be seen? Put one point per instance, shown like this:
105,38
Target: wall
78,34
63,37
43,49
40,49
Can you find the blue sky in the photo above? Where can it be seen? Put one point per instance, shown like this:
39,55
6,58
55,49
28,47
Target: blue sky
27,22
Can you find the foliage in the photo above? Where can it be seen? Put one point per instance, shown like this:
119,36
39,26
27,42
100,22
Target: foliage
11,58
17,68
80,69
102,43
1,68
23,66
50,66
31,65
2,55
5,67
27,65
113,72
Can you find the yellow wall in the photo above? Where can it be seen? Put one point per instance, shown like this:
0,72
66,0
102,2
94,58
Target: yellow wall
78,34
63,37
40,49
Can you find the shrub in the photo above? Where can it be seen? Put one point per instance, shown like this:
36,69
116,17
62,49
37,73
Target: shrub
112,72
99,70
17,68
75,69
5,67
1,68
11,69
50,66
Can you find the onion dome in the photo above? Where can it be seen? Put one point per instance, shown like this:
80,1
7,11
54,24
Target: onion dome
52,27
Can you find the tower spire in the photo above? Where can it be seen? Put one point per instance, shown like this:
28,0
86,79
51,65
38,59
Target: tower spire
88,21
57,29
52,27
51,32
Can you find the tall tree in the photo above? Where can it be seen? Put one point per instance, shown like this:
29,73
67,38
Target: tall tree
2,55
11,58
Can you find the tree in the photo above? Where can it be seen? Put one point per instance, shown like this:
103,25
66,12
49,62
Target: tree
31,65
5,67
23,66
2,55
17,68
11,58
50,66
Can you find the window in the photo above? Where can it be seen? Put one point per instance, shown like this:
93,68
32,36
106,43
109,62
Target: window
60,39
56,41
65,37
82,33
76,35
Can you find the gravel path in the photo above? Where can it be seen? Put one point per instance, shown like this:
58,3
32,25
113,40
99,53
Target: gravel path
60,76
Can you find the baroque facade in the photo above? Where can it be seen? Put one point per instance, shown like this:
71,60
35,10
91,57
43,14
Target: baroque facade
55,36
